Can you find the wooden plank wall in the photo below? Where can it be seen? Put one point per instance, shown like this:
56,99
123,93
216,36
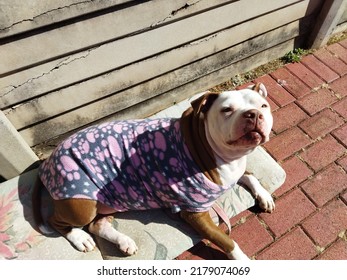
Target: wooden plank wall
76,63
342,25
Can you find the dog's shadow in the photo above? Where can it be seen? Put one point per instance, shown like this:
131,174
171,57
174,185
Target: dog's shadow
26,184
156,232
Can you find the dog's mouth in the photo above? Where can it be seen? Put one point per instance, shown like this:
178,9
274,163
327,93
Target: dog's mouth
253,137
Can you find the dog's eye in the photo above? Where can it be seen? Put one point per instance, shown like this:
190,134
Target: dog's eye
264,106
228,111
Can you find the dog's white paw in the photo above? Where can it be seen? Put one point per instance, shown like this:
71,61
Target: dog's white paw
81,240
126,245
237,254
265,200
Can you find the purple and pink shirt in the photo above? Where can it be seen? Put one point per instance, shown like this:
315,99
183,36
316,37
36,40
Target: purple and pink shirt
130,165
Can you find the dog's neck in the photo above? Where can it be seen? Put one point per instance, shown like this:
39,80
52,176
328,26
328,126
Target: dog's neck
193,130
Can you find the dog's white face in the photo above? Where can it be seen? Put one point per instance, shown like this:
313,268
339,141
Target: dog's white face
239,121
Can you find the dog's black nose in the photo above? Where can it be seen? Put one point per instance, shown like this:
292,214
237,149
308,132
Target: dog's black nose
252,114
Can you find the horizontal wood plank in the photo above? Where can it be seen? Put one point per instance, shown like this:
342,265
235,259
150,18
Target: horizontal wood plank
151,89
167,99
59,42
76,96
149,107
22,16
75,67
75,37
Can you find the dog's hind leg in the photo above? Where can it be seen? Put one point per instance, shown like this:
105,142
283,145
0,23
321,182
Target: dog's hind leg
102,227
70,215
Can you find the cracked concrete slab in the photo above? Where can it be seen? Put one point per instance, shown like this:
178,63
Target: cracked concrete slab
27,80
18,16
75,37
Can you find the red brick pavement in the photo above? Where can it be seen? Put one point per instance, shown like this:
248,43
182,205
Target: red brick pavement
309,140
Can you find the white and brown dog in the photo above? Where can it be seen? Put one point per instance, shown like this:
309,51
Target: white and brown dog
184,164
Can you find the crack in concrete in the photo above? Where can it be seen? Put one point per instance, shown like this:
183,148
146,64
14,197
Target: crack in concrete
205,39
62,63
174,12
43,14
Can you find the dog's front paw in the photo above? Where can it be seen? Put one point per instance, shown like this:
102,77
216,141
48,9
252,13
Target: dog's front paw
127,245
266,201
237,254
81,240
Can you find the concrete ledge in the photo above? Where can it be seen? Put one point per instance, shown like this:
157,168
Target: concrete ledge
15,154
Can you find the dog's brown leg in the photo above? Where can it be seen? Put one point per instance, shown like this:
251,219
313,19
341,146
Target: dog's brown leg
71,214
204,225
102,226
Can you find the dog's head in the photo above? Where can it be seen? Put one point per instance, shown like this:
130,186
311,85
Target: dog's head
236,121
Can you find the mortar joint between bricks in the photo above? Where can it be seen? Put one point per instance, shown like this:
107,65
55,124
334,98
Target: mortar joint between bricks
267,228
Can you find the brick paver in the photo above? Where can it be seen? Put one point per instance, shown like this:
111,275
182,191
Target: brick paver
305,75
291,209
295,245
328,61
341,134
288,117
337,251
240,217
287,143
319,68
343,43
343,163
293,166
309,140
317,101
251,230
290,82
321,124
344,198
272,104
275,91
325,226
339,86
341,107
339,50
326,185
323,152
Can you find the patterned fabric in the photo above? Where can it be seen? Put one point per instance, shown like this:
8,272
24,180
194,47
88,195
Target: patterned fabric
130,165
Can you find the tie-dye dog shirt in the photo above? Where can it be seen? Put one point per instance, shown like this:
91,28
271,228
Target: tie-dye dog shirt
130,165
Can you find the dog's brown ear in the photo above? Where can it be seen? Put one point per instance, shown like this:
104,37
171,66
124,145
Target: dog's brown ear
259,87
204,102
